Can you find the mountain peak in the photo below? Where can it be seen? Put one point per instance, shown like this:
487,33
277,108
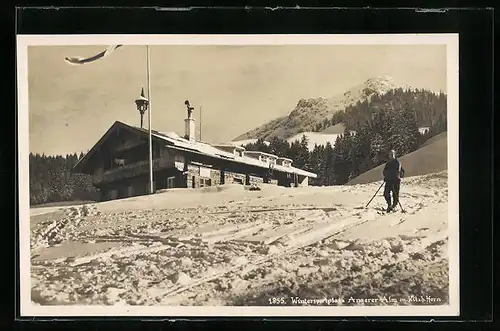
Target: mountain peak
383,78
313,111
379,84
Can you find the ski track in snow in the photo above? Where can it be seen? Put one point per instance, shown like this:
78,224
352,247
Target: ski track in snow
246,248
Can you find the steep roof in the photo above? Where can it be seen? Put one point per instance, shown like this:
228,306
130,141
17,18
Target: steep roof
197,147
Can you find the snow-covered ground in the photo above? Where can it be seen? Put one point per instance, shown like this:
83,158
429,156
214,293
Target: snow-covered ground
232,246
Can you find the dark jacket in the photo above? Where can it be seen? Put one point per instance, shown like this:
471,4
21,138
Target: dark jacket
393,170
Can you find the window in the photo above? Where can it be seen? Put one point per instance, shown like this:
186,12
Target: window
170,182
205,182
204,172
238,180
179,158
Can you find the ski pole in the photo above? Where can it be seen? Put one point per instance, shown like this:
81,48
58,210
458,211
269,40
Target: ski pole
375,194
402,210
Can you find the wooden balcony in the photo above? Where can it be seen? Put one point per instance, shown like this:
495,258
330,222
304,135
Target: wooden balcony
129,171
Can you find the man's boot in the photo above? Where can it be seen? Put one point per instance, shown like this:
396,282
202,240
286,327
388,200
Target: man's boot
389,207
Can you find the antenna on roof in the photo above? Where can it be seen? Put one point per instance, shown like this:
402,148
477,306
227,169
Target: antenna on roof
200,123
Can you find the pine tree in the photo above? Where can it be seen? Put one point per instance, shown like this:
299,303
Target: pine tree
410,127
317,164
304,153
342,165
294,152
378,150
259,146
279,147
360,151
329,161
299,152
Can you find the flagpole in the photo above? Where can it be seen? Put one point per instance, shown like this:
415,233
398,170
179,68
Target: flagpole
200,123
149,125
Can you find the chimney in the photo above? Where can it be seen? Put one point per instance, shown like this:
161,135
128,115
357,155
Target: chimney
189,123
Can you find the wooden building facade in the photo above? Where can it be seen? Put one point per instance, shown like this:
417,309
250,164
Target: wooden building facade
119,164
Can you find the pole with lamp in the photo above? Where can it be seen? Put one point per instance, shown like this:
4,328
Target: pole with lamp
144,104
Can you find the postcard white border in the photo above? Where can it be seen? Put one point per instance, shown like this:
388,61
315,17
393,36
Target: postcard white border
30,309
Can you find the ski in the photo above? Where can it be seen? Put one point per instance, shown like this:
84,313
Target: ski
383,211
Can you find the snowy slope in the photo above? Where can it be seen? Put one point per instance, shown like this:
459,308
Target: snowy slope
430,158
230,246
315,138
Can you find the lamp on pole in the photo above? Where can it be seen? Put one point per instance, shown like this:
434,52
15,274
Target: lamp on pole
142,105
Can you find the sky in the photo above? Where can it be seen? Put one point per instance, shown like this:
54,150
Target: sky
237,87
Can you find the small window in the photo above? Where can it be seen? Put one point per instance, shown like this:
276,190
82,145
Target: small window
205,182
238,181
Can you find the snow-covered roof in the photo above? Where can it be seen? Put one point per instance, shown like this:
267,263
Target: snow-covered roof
239,148
174,141
209,150
172,135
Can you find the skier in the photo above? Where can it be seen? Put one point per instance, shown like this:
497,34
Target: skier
393,172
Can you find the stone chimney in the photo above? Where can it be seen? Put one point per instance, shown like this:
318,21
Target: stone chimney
190,129
189,124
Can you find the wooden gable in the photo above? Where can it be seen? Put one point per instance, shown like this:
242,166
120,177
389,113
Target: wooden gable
120,137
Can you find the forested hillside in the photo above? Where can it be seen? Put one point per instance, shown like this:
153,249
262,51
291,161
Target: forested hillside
429,109
392,125
353,108
51,180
